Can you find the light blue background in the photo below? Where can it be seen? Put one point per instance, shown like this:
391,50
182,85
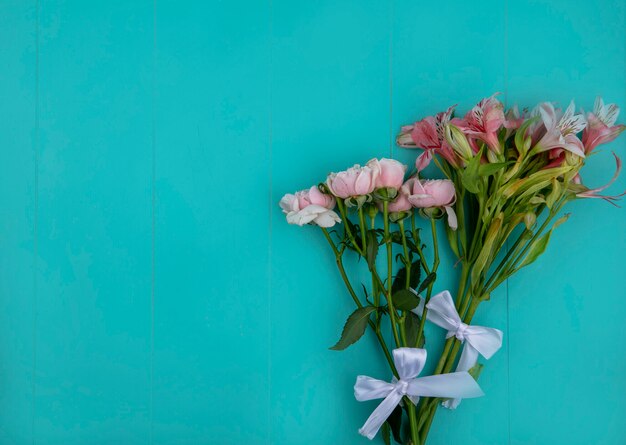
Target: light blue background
150,289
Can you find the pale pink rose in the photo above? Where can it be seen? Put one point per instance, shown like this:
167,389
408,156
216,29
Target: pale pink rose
310,207
355,181
601,126
390,172
484,121
429,135
438,193
401,203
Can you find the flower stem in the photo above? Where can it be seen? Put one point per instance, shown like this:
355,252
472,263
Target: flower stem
363,229
344,215
420,331
429,411
344,276
410,408
392,310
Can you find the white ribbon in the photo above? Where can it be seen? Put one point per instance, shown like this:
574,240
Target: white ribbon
478,339
409,363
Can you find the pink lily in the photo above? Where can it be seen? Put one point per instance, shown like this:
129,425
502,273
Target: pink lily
601,128
560,130
484,121
428,134
593,193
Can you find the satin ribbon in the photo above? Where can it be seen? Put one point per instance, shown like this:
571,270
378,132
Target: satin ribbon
478,339
409,363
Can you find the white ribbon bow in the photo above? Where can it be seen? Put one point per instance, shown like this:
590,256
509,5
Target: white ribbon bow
478,339
409,363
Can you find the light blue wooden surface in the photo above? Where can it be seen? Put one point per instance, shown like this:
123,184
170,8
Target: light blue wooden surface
150,289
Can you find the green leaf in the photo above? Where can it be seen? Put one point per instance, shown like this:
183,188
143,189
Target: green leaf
453,240
411,326
405,300
416,274
396,237
537,248
475,370
490,169
355,230
385,432
480,265
554,194
367,297
470,177
354,327
372,249
560,221
395,423
520,134
399,282
429,279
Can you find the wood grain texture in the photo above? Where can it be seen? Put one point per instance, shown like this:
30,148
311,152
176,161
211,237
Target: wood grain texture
151,291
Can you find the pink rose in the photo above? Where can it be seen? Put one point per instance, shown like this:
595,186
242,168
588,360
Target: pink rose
355,181
310,207
401,203
390,172
437,193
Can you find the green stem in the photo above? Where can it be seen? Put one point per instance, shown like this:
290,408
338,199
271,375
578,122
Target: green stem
344,215
354,296
431,410
410,408
375,287
418,244
462,284
406,255
363,229
392,310
420,330
509,268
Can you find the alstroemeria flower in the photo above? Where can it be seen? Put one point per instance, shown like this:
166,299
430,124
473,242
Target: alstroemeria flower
558,131
435,193
429,134
484,121
309,207
513,120
353,182
594,193
601,128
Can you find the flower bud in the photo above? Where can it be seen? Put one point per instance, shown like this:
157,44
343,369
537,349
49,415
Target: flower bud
371,210
398,216
458,141
529,219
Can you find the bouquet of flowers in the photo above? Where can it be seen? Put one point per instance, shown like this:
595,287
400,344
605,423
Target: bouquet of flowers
508,175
